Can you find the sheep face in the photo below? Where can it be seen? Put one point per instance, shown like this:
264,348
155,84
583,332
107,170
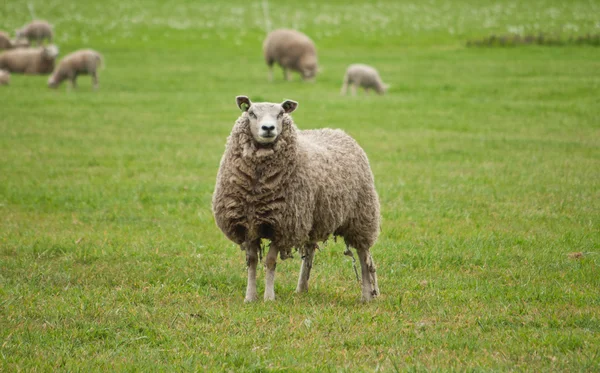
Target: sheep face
265,118
53,82
309,68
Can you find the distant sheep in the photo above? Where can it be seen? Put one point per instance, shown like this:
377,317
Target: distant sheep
5,42
81,62
36,31
294,188
4,77
365,76
20,43
29,60
292,50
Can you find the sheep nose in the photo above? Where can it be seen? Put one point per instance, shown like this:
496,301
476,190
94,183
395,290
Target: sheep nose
268,128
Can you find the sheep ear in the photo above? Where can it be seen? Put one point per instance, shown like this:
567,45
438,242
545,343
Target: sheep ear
289,106
243,102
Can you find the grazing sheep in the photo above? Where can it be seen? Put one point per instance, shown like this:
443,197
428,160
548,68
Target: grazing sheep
4,77
37,31
5,42
19,43
85,61
30,60
294,188
364,76
291,50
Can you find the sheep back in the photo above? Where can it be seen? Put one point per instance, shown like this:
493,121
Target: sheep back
26,61
83,61
366,76
290,49
36,31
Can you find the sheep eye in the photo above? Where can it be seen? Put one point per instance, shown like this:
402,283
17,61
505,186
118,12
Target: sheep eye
252,115
280,114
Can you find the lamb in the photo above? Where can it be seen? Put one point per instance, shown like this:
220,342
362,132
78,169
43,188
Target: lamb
295,188
84,61
4,77
31,61
37,31
365,76
292,50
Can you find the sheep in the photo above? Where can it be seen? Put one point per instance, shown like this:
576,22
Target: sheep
5,42
37,31
4,77
292,50
84,61
294,188
365,76
19,43
31,61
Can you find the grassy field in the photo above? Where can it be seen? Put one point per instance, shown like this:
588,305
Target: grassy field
487,163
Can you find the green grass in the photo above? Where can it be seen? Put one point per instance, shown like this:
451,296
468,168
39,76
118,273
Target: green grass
487,163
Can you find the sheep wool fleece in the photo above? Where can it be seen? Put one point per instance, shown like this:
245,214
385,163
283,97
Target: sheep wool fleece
298,191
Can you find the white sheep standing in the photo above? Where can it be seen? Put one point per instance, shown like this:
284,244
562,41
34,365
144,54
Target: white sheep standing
292,50
294,188
364,76
29,60
36,31
86,61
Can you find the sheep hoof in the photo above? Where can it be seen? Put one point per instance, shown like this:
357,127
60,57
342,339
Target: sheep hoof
269,297
251,298
302,289
368,296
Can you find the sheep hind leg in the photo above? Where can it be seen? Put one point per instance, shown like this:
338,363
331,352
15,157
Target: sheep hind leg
370,288
270,76
271,263
307,259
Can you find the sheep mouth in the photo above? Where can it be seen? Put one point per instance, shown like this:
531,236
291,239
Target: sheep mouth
267,138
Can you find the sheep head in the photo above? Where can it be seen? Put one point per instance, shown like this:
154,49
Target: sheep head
50,52
264,118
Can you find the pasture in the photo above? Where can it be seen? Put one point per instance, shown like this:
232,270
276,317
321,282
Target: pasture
486,161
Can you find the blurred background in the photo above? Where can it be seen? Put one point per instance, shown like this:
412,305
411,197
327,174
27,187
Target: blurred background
485,150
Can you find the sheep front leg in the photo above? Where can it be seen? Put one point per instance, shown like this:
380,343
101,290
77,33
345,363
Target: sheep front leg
74,81
95,80
305,268
344,88
370,288
251,260
353,88
271,263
